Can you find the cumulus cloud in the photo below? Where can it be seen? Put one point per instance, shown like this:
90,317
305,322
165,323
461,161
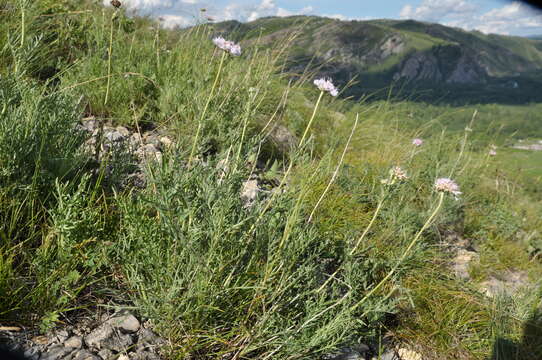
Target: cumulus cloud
513,18
242,12
509,19
436,10
186,12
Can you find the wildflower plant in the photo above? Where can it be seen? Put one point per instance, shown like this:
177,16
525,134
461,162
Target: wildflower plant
397,174
443,186
417,142
228,47
326,85
446,185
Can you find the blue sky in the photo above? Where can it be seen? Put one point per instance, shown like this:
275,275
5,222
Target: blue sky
488,16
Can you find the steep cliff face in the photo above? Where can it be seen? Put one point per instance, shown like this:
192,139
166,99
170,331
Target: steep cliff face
450,64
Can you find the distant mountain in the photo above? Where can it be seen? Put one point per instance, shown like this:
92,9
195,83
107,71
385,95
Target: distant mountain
422,59
534,37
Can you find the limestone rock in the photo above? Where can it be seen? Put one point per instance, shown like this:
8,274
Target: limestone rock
98,335
249,192
461,263
127,323
85,355
74,342
56,352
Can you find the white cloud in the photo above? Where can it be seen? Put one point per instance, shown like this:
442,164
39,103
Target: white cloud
235,11
337,16
513,18
435,10
267,4
171,21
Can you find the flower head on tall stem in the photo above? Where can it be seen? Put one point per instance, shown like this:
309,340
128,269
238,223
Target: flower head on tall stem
228,46
397,174
326,85
449,186
417,142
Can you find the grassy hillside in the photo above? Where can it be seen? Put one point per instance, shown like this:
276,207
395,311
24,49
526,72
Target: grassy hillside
335,248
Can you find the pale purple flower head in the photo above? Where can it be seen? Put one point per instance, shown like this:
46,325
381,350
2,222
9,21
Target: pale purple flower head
448,186
326,85
492,152
417,142
222,43
226,45
235,49
397,174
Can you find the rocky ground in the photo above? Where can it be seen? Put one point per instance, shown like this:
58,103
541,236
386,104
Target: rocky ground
464,255
120,336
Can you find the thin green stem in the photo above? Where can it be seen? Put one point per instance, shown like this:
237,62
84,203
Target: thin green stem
202,118
287,173
243,132
375,215
405,253
312,119
23,21
110,55
336,172
464,143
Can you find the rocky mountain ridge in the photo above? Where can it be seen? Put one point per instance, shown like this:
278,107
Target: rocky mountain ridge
416,54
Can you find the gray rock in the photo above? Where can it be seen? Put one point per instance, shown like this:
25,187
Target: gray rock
135,140
387,355
113,136
117,342
62,336
89,124
144,355
123,131
32,353
507,283
147,336
98,335
85,355
249,192
149,152
358,352
462,261
127,323
56,352
105,354
152,139
74,342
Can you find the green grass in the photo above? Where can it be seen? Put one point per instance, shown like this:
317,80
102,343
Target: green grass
223,280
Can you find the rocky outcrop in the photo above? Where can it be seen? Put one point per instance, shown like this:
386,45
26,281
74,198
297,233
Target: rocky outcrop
420,66
451,65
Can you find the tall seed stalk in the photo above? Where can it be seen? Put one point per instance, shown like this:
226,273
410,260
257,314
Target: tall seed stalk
109,57
405,253
204,112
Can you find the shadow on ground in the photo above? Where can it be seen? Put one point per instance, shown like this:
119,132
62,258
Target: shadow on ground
530,347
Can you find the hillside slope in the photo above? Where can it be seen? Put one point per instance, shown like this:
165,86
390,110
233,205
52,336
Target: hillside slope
416,55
